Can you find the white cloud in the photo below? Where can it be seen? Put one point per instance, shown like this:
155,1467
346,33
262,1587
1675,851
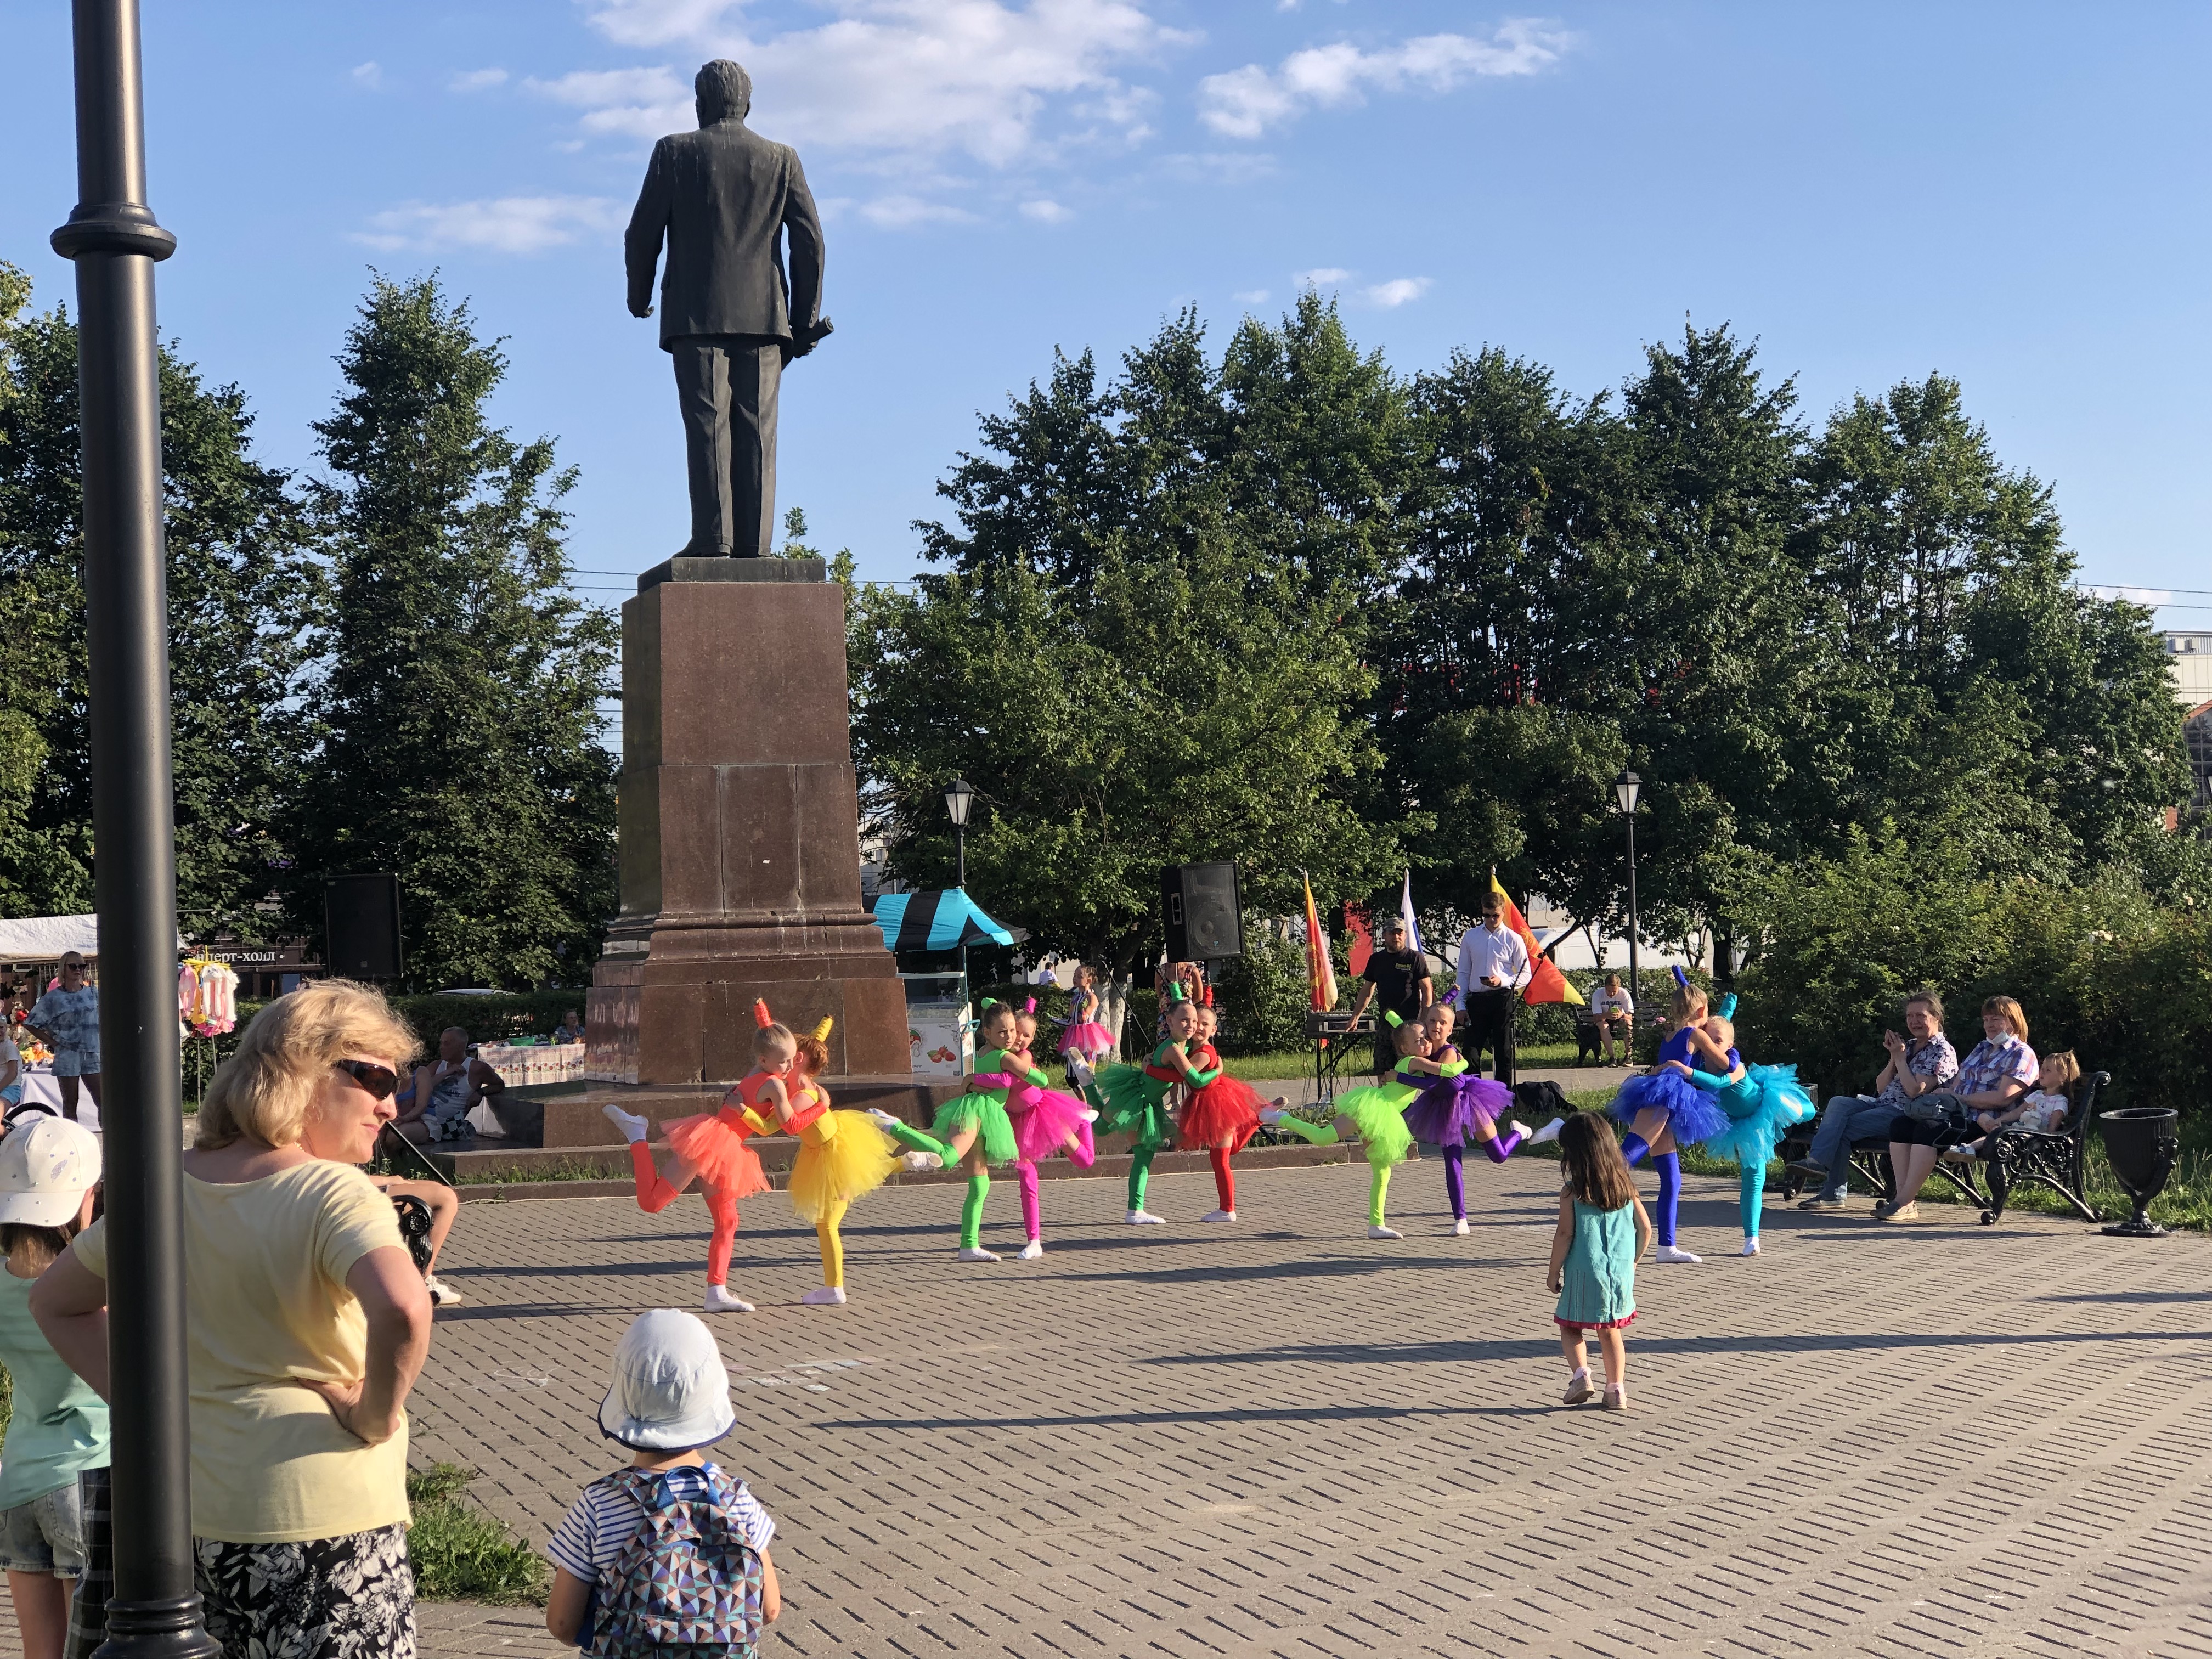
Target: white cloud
1252,296
476,80
900,212
1047,212
642,103
1396,291
1244,103
2153,597
369,75
508,224
1322,276
902,78
1220,167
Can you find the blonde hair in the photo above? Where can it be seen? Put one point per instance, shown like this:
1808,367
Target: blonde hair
263,1092
2015,1016
2069,1069
1687,1000
777,1037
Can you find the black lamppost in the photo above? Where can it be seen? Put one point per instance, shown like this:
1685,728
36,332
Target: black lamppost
1626,788
959,801
113,239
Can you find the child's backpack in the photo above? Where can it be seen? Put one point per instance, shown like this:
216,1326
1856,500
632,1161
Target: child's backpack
687,1578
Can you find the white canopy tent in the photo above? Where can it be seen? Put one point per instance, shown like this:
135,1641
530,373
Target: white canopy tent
45,939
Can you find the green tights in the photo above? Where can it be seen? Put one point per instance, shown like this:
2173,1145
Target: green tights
1325,1135
1140,1171
1378,1190
971,1210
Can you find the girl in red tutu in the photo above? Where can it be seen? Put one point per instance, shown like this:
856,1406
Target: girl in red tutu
711,1150
1221,1114
1045,1121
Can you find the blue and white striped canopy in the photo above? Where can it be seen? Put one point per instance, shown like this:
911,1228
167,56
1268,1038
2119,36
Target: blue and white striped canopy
944,919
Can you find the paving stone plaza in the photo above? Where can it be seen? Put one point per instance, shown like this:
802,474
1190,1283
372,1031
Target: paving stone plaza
1280,1438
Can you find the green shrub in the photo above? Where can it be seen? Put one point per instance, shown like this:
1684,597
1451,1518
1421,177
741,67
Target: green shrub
461,1554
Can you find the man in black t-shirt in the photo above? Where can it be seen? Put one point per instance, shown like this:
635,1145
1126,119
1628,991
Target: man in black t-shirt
1397,979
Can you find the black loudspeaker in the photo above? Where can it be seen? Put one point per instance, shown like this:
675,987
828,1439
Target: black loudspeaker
361,926
1204,912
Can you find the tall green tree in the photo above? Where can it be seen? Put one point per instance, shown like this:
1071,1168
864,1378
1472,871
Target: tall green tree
455,707
239,584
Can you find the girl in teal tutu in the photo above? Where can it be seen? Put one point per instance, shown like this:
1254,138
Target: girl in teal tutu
1760,1102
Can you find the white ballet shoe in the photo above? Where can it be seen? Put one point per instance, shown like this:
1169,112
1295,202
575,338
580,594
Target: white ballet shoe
1384,1232
633,1127
883,1119
977,1253
1521,1129
1080,1070
828,1295
1750,1247
1274,1114
1031,1251
1088,1115
1673,1253
1459,1227
1219,1215
1549,1131
718,1300
922,1162
440,1296
1143,1218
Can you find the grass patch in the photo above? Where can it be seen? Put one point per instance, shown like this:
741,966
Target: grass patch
1299,1062
460,1553
565,1169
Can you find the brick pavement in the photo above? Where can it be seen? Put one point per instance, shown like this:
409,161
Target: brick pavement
1283,1440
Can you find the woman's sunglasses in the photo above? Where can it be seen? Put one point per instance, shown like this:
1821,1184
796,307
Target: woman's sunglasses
380,1081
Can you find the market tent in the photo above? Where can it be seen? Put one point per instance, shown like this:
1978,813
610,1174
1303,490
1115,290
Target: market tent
45,939
946,919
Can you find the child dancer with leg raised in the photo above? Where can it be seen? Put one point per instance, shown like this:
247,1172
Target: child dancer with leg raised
1134,1098
1761,1101
1086,1040
1602,1234
1454,1108
972,1130
711,1150
1377,1114
1045,1121
842,1156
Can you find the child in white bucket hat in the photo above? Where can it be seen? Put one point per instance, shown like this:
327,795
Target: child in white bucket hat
670,1550
54,1481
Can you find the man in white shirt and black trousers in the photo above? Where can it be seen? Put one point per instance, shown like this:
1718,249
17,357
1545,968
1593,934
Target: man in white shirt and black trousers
1493,967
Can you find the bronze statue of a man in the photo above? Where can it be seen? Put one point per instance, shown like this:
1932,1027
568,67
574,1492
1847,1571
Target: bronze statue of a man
724,197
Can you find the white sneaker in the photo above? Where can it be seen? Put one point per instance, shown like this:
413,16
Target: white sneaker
1219,1215
1274,1114
718,1300
1031,1251
1750,1247
883,1119
1384,1232
439,1296
1520,1128
921,1163
1143,1218
975,1253
633,1128
1673,1253
828,1295
1459,1228
1080,1070
1549,1131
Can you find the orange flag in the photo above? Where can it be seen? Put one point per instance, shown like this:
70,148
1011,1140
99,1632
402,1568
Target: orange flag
1321,972
1545,982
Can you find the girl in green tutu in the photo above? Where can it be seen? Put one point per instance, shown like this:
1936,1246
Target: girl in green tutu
1375,1115
1134,1098
972,1130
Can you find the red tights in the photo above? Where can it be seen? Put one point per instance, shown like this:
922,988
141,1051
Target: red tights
654,1195
1224,1178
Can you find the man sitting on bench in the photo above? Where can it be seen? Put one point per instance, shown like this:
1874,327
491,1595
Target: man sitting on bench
1922,1060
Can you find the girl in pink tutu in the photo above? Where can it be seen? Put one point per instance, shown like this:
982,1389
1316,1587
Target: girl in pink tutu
1085,1039
1045,1121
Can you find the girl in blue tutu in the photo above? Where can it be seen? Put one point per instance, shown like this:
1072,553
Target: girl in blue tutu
1759,1101
1664,1110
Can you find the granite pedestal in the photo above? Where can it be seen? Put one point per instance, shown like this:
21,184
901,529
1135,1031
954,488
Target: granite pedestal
740,834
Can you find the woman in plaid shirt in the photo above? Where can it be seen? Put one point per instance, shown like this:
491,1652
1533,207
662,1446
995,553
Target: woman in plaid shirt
2000,1070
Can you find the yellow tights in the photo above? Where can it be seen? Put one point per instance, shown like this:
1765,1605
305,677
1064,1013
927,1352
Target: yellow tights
833,1246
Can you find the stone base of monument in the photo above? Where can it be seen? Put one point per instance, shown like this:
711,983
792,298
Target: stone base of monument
739,825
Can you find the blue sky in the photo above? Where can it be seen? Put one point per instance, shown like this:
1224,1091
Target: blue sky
2015,195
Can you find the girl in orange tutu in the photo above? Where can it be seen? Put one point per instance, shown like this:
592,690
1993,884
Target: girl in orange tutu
1045,1121
842,1156
1221,1114
711,1150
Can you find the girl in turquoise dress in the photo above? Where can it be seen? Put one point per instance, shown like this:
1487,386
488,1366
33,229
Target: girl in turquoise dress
1602,1234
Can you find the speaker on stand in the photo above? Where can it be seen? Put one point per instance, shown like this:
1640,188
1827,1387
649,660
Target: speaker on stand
361,928
1204,910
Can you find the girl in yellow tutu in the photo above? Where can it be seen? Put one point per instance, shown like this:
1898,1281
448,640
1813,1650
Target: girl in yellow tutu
841,1156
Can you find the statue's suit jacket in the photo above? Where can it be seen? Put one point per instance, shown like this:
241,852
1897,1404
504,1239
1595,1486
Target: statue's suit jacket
722,195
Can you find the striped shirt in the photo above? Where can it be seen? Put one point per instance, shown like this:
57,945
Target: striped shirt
592,1534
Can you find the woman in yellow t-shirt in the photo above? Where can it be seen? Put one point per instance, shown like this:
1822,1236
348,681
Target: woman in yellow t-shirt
306,1325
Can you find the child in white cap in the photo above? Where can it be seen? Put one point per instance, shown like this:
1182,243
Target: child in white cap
670,1550
57,1454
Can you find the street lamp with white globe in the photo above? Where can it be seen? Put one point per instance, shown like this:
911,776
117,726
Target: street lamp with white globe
1625,790
959,801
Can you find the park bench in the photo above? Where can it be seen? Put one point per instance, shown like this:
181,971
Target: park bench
2058,1159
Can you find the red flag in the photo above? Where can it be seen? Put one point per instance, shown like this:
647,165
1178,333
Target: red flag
1363,942
1321,972
1545,982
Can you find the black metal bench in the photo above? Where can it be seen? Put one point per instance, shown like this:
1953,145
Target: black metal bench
2057,1158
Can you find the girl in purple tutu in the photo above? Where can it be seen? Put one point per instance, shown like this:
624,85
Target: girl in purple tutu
1045,1121
1454,1108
